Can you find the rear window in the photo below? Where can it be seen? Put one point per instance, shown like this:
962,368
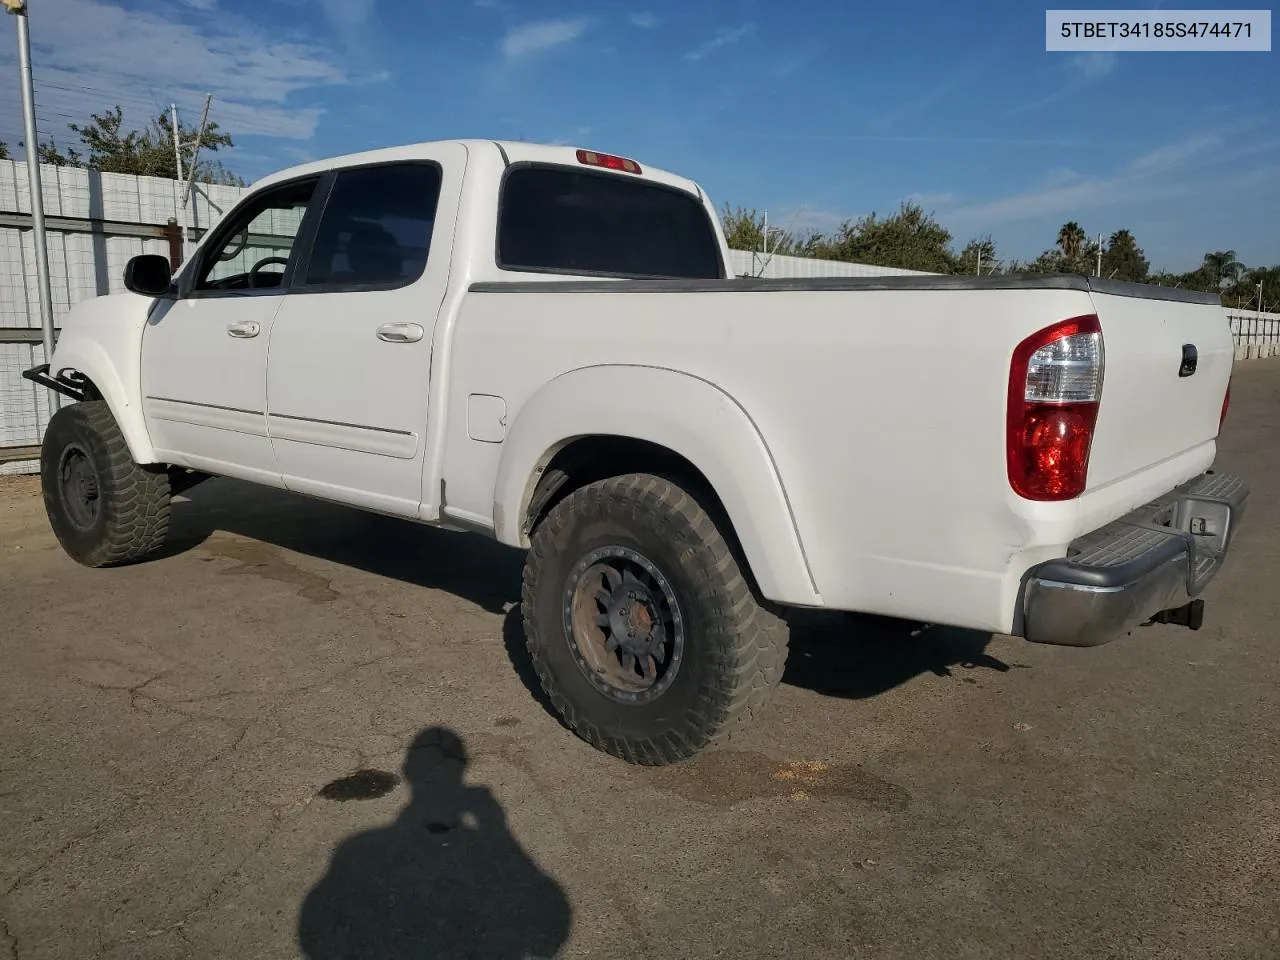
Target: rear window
563,220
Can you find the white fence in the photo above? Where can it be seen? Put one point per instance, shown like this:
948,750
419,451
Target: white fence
1256,334
772,266
97,221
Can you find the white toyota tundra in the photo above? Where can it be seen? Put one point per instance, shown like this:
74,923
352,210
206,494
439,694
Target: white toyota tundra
544,345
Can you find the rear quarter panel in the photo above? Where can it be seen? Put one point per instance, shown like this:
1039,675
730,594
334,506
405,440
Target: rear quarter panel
883,410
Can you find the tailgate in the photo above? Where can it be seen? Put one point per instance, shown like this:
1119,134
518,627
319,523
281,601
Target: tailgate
1149,412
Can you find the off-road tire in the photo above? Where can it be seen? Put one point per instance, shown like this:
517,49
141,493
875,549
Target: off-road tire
735,643
131,518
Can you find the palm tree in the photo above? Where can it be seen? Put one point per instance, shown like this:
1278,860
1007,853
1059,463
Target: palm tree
1224,265
1071,239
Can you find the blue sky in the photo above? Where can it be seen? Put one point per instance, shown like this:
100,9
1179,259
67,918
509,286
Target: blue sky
816,109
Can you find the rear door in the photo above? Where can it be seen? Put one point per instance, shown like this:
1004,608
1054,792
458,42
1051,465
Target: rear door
1153,408
350,362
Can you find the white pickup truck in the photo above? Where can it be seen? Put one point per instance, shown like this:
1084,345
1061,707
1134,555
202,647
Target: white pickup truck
544,345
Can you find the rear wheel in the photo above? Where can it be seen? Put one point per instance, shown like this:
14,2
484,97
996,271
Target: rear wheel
643,629
105,509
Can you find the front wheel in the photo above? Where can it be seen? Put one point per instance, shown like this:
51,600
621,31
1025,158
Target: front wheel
105,509
642,627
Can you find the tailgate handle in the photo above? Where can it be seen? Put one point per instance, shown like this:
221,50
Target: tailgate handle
1190,357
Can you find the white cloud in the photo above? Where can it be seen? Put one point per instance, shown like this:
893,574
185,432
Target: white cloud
1166,171
93,54
724,37
643,19
201,4
1174,154
931,199
541,35
345,14
1094,65
804,220
785,66
262,120
1082,70
1060,176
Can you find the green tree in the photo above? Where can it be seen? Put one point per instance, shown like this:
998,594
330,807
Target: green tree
910,239
147,152
1123,259
1224,265
1201,279
1247,293
1051,261
1071,240
4,151
968,260
744,230
50,154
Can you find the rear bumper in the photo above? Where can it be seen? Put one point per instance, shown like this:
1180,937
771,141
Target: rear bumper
1154,560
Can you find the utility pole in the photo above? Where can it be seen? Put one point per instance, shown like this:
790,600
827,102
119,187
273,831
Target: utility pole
979,270
177,147
1098,272
195,153
19,9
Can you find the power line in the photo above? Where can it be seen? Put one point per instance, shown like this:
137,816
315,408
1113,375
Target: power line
107,92
94,98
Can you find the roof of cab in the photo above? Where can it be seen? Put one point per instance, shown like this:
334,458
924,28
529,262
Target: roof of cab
514,151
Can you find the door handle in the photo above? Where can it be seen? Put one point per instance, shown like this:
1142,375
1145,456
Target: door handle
244,329
400,332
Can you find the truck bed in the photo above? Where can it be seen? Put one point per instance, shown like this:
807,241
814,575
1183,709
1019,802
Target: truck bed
881,402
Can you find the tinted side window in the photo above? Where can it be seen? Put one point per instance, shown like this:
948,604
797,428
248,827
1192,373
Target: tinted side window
562,220
376,227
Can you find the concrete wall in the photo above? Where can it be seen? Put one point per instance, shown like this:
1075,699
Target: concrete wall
772,266
1256,334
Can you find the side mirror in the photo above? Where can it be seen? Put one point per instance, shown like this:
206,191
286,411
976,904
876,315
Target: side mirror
148,274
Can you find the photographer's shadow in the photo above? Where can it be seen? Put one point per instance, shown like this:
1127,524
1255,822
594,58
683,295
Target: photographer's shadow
447,879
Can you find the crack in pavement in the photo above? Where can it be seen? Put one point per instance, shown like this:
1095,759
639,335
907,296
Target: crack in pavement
580,842
6,936
341,674
136,803
280,816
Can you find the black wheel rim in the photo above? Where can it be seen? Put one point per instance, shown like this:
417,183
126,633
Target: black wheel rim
78,482
623,624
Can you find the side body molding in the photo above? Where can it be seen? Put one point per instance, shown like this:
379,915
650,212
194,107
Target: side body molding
683,413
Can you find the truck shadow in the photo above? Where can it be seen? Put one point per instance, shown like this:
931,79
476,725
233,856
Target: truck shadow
859,655
479,570
853,656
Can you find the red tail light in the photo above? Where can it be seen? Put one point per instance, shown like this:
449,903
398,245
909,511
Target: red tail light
608,161
1055,383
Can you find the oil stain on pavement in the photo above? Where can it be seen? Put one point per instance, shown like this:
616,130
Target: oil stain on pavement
267,561
725,778
361,785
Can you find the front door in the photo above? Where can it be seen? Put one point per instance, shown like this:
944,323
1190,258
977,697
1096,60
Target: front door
204,367
350,364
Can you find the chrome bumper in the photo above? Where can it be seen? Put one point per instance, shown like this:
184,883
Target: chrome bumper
1150,564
